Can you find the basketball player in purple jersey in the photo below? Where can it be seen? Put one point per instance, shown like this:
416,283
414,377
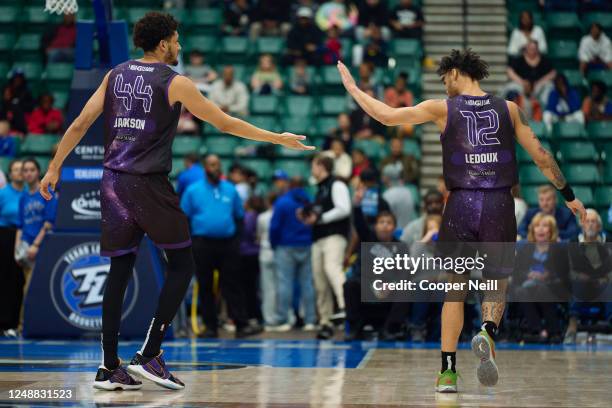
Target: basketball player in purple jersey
141,101
479,165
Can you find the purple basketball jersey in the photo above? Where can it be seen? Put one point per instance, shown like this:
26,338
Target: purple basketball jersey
478,144
139,123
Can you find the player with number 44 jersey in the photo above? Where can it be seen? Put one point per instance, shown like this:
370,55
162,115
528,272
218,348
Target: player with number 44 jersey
478,133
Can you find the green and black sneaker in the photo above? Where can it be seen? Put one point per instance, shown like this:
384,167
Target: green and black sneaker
483,347
447,381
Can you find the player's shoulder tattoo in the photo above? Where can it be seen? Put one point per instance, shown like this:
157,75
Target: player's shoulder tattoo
522,116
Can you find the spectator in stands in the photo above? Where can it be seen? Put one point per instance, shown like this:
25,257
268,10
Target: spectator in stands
407,20
360,163
526,31
304,39
36,218
215,213
433,203
532,72
369,195
370,317
249,260
17,102
343,165
60,41
266,79
337,12
292,243
547,204
267,282
520,205
8,140
332,47
230,94
366,78
202,74
311,4
271,18
398,195
398,95
590,265
300,78
187,124
45,118
595,51
343,132
372,13
374,48
238,176
11,290
533,277
362,124
528,103
192,173
563,104
280,181
407,164
237,18
597,106
330,221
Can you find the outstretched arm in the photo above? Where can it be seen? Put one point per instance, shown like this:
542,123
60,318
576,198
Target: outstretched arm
428,111
183,90
72,137
543,159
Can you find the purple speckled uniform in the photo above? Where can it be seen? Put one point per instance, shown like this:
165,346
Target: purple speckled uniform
136,196
480,168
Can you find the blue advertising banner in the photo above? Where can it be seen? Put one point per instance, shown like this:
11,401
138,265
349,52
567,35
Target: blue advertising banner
65,295
79,207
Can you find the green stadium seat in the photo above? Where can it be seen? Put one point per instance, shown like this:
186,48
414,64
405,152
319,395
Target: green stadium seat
372,148
221,145
32,70
27,43
39,144
564,53
578,152
412,147
530,174
324,125
297,167
530,195
299,105
568,130
7,42
581,174
206,44
406,48
133,14
575,78
235,49
178,165
331,80
601,75
301,125
264,104
607,172
204,20
9,17
523,157
5,68
563,25
520,5
270,45
605,19
184,145
265,122
35,15
539,129
59,72
585,193
262,167
333,105
600,131
602,197
346,49
43,161
60,99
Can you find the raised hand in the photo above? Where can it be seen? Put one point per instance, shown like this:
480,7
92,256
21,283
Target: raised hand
347,78
292,141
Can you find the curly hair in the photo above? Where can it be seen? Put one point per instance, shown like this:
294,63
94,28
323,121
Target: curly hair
153,28
467,62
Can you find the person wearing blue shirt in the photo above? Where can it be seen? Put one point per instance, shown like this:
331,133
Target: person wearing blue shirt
193,172
11,290
215,213
36,217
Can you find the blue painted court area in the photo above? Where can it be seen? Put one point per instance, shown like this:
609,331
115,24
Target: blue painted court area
74,356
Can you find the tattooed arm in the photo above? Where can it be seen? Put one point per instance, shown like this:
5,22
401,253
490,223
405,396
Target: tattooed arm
541,157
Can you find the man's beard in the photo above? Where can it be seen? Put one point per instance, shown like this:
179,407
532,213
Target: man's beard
171,59
214,177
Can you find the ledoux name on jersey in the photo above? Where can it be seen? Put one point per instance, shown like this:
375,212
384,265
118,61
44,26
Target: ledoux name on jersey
130,123
480,158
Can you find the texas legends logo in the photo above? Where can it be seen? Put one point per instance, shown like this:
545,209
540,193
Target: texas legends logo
77,285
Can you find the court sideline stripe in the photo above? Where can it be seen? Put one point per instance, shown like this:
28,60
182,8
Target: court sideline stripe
366,359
